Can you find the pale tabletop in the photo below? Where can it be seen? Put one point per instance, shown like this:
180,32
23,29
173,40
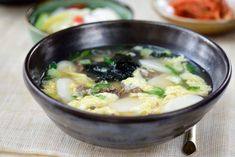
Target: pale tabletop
26,131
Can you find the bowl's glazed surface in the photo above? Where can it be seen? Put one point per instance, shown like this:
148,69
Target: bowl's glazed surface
126,132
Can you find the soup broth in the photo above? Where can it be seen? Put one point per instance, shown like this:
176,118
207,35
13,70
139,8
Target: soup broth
126,81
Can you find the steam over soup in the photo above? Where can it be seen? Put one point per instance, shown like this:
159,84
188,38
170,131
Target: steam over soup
126,81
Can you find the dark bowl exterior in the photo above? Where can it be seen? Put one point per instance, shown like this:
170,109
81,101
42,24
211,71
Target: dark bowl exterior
126,132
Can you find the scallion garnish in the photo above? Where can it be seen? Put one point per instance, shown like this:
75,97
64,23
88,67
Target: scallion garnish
156,91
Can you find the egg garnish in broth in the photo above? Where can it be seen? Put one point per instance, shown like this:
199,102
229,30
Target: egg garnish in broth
126,81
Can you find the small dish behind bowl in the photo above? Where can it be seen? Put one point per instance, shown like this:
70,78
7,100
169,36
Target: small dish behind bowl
122,131
201,26
122,10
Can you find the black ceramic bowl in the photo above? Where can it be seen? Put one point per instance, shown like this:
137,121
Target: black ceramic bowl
126,132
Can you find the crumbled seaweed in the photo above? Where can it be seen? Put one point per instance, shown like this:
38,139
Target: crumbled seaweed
123,66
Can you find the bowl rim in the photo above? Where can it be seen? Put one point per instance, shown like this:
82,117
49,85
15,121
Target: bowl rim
125,119
31,10
190,20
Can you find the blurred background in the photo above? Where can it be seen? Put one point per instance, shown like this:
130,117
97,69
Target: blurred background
44,17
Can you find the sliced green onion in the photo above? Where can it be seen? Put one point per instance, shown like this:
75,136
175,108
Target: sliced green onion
53,65
167,53
74,96
86,54
101,97
85,61
188,87
99,86
47,78
193,88
146,52
108,60
191,68
172,69
157,91
53,73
